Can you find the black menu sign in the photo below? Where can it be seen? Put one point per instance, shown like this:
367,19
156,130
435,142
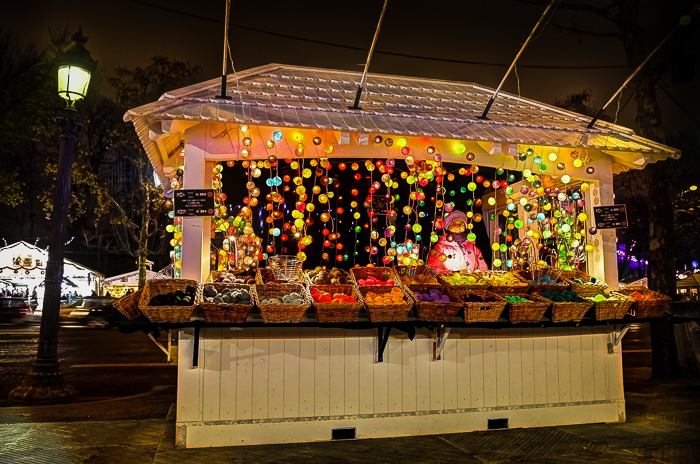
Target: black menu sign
194,202
610,217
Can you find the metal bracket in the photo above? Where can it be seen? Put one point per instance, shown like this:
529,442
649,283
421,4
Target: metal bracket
195,351
159,345
439,337
382,339
612,347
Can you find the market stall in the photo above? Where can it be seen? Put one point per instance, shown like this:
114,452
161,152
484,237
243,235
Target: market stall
24,264
119,285
452,228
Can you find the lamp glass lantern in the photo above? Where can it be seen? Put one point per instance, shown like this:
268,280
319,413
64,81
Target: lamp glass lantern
75,66
73,83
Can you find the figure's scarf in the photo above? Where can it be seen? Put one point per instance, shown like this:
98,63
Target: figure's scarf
459,237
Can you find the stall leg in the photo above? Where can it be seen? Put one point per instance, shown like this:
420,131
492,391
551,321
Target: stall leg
382,339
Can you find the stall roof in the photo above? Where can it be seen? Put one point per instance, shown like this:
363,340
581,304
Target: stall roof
315,98
133,276
23,247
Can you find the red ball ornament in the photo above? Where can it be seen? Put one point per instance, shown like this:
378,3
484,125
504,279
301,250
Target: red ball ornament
354,192
286,178
405,151
325,231
479,179
326,243
339,246
358,176
342,166
372,190
340,210
339,258
284,237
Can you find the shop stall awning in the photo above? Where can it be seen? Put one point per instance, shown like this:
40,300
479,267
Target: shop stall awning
315,98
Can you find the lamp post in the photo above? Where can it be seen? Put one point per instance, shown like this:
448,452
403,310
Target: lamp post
44,383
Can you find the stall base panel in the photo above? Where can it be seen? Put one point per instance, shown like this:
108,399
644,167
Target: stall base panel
223,433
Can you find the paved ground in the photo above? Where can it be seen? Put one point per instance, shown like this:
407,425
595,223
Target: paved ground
125,415
663,426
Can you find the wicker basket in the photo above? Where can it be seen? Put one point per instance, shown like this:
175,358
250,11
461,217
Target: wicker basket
483,311
214,275
441,279
234,313
584,290
436,311
654,305
129,305
558,284
565,311
611,309
407,274
528,312
523,287
265,275
285,267
281,312
383,273
338,312
168,313
386,313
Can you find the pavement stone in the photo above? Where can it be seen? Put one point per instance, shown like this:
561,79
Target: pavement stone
661,428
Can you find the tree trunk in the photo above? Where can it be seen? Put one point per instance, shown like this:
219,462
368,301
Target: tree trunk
661,254
143,241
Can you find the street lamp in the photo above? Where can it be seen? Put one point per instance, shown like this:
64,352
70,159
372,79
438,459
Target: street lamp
44,383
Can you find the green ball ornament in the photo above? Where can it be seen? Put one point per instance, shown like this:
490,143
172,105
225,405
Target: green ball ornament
519,224
434,238
522,156
509,190
471,186
511,178
542,168
463,190
471,237
470,202
500,171
492,216
358,229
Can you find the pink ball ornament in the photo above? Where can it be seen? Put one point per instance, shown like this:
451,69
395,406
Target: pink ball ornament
386,259
405,151
373,250
448,207
496,184
437,157
524,190
389,232
497,231
391,163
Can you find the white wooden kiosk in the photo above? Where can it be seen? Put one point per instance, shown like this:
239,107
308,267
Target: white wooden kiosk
311,383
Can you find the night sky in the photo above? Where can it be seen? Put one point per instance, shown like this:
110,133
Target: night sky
130,32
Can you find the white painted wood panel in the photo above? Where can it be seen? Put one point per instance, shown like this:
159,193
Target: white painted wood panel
515,366
502,368
449,362
322,372
337,372
352,373
527,379
261,353
575,365
463,344
476,350
307,372
366,361
275,387
266,375
291,373
564,368
489,363
422,371
244,375
229,347
408,383
211,373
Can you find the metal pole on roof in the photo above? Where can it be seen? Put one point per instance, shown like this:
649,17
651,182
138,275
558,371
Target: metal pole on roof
369,58
512,65
683,21
223,95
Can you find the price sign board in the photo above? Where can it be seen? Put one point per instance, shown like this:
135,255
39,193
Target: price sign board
610,217
194,202
379,205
